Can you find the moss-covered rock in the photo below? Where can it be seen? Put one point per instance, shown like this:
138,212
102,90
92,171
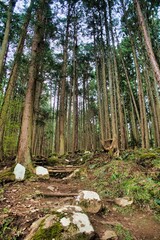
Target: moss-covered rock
67,223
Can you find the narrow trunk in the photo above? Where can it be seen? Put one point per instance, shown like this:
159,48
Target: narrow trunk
105,97
6,36
69,117
112,93
134,129
75,92
153,111
35,112
56,141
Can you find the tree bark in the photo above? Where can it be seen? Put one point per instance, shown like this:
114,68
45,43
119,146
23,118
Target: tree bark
13,77
6,36
144,127
75,92
25,139
62,89
147,41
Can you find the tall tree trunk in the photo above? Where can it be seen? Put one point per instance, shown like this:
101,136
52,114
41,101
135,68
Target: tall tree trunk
13,77
154,113
147,41
105,98
144,127
100,103
25,139
134,128
75,92
120,109
63,88
6,36
69,117
36,112
112,98
56,140
104,80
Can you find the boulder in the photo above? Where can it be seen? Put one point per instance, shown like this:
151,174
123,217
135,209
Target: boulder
19,172
108,234
125,201
89,201
66,223
75,215
42,172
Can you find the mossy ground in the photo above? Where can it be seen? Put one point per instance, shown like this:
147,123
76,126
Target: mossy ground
127,176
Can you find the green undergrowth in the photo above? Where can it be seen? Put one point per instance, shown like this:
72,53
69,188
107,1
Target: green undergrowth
8,229
122,233
7,175
135,174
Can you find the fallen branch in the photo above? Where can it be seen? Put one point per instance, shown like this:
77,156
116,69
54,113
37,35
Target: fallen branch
60,170
47,195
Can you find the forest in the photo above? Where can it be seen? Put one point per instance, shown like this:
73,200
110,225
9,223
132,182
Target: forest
80,79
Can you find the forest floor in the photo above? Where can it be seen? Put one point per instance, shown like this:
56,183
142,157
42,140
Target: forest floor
21,203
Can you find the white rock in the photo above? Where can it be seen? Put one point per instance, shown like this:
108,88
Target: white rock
82,222
19,172
88,195
125,201
89,201
74,215
109,235
41,171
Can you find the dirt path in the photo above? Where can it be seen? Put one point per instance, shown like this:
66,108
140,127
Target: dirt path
23,202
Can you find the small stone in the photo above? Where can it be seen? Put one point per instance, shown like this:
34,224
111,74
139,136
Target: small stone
51,188
109,235
41,171
125,201
19,172
14,190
